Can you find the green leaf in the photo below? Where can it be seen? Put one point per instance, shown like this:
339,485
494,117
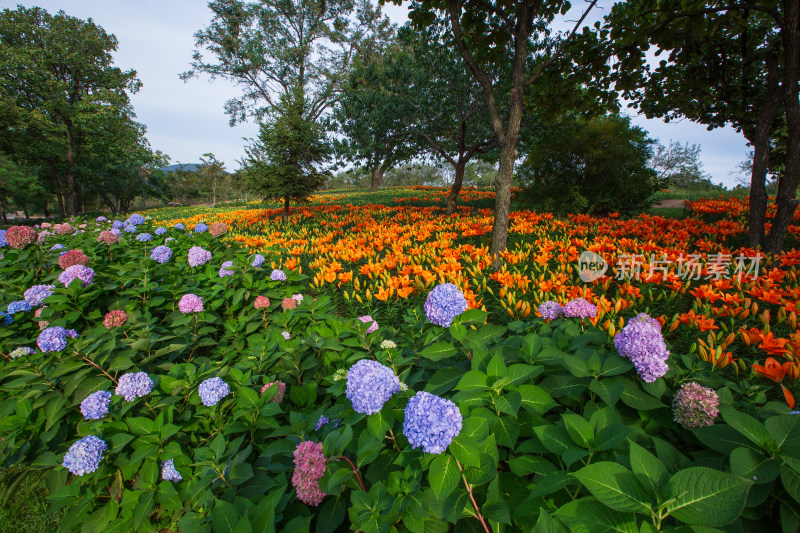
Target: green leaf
615,486
444,380
707,497
443,475
579,430
139,425
497,367
783,428
379,423
535,399
465,450
553,438
225,517
588,515
576,366
609,390
438,351
525,465
750,464
791,482
472,380
746,425
652,472
634,396
248,395
546,524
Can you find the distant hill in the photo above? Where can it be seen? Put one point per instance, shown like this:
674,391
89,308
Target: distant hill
189,167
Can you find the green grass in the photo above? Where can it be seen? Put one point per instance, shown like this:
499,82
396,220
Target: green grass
669,212
24,509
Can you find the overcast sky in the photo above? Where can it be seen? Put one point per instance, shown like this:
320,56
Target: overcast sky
187,119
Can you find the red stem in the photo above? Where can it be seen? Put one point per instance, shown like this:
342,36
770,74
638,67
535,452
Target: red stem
355,471
98,368
472,497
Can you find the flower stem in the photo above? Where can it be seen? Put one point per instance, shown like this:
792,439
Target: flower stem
355,471
99,368
472,497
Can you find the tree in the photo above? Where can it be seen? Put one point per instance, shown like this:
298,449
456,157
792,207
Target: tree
734,64
19,187
284,162
212,172
271,47
597,166
678,165
486,33
56,76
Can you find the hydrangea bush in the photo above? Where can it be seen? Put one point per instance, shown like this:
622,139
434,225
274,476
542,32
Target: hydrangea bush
144,404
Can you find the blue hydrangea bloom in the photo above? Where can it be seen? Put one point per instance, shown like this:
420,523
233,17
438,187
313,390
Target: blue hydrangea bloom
278,275
101,219
168,471
258,260
144,237
16,307
223,272
135,219
641,342
130,228
431,422
19,352
84,455
37,294
212,391
180,225
550,310
200,228
7,320
117,224
116,231
95,406
54,339
3,242
161,254
57,247
321,422
134,385
370,385
161,231
444,303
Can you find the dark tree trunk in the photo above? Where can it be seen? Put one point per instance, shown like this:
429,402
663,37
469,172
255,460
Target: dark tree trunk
285,208
456,188
377,178
502,204
70,196
761,144
46,211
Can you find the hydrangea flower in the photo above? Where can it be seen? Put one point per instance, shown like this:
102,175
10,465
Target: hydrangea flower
431,422
387,344
95,406
224,272
288,303
116,232
370,385
580,308
169,473
65,229
115,319
309,467
321,422
134,385
84,455
144,237
160,230
262,302
217,228
7,320
161,254
72,258
101,219
550,310
38,313
54,339
19,352
198,256
3,242
37,294
180,225
83,273
117,224
278,275
286,335
200,228
135,219
57,247
444,303
18,306
190,303
212,391
258,260
130,228
19,237
278,398
695,406
641,342
373,325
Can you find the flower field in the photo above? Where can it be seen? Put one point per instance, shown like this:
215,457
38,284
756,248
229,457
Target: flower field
363,368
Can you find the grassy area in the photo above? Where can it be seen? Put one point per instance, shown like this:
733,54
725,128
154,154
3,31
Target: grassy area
25,506
669,212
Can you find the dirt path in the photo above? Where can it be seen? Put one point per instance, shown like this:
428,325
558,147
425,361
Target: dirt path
673,202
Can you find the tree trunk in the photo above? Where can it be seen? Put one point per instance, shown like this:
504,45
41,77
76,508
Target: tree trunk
502,203
70,197
761,155
377,178
787,186
456,188
285,208
46,211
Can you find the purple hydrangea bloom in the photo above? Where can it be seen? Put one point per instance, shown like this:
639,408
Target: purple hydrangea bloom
550,310
278,275
144,237
7,320
57,247
444,303
286,335
580,308
641,342
54,339
190,303
180,225
258,260
321,422
373,325
161,254
116,231
198,256
84,455
37,294
117,224
169,473
794,412
431,422
200,228
370,385
95,406
212,391
160,231
695,406
81,272
3,242
101,219
135,219
223,272
18,306
19,352
134,385
130,228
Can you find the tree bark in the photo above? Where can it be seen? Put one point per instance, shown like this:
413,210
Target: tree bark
787,186
456,188
377,178
285,208
70,198
761,155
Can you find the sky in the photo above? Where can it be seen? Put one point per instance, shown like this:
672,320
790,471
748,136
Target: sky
187,119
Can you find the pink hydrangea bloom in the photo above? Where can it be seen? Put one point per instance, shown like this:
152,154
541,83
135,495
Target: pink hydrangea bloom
278,398
310,462
190,303
366,319
695,406
262,302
